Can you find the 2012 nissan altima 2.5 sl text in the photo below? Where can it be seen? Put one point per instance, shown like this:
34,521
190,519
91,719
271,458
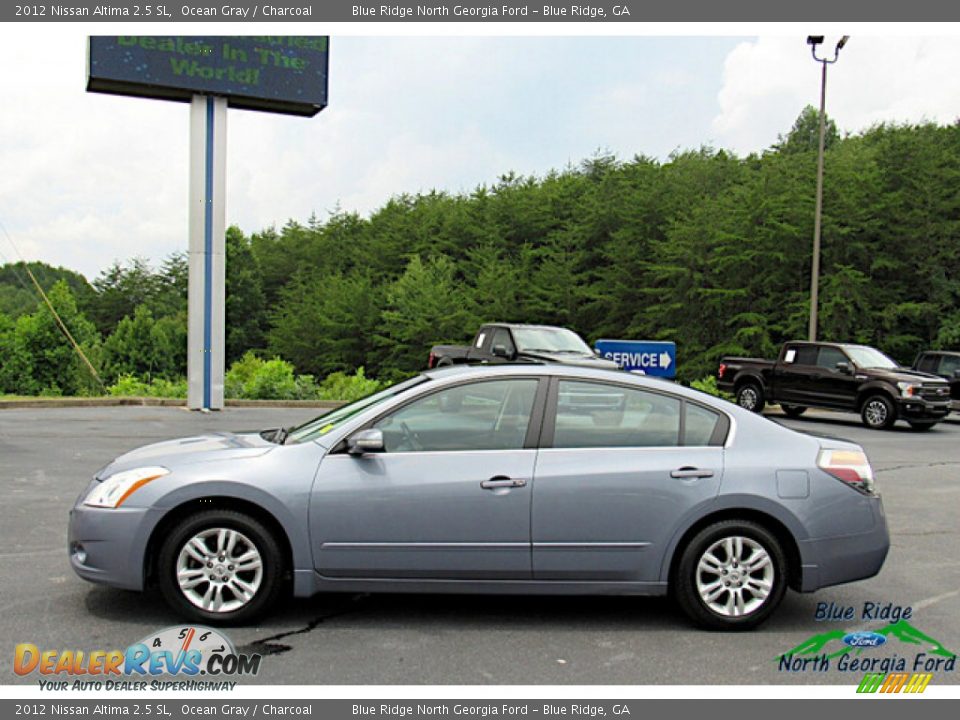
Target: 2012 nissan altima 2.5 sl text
507,479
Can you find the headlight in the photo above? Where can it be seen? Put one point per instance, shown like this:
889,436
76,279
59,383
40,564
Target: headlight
113,491
908,389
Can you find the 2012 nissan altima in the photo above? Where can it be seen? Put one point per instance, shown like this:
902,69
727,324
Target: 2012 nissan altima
510,479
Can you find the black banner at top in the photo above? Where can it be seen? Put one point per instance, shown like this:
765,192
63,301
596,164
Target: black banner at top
595,11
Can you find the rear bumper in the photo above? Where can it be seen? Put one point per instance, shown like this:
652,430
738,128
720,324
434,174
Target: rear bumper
845,558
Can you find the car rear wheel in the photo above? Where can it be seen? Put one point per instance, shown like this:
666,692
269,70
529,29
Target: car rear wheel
750,397
731,576
793,410
878,412
220,566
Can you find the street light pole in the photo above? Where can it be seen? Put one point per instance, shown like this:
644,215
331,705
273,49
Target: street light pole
813,41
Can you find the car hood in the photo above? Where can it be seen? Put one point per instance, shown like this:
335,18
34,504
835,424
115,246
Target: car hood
895,375
187,451
577,360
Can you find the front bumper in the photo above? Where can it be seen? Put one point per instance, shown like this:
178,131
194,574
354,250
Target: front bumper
108,545
918,408
845,558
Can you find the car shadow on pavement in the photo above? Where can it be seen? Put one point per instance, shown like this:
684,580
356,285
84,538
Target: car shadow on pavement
389,611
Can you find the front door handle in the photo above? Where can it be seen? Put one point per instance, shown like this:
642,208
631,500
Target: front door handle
691,472
502,481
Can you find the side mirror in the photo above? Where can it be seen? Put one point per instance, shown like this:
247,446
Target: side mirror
956,373
845,368
365,441
500,351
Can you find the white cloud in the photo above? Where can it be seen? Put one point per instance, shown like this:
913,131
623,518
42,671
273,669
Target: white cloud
768,81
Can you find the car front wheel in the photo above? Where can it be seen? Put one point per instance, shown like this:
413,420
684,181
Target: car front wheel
731,576
878,413
220,566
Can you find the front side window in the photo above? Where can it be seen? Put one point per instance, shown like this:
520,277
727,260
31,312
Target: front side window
829,357
928,363
502,337
489,415
949,365
600,415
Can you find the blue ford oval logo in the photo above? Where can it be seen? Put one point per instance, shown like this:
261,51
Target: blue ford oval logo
864,639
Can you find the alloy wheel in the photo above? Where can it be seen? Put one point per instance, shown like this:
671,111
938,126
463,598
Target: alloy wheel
734,576
219,570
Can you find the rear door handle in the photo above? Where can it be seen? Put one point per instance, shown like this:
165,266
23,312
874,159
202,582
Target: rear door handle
691,472
502,481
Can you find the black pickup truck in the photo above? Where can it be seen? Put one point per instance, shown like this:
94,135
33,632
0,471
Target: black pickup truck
945,364
837,376
497,343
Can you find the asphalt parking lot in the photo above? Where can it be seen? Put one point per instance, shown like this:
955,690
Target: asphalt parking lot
46,456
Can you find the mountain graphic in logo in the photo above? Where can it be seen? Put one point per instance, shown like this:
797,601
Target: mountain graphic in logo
900,630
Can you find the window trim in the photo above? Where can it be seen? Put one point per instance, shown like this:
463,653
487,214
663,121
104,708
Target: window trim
548,430
529,440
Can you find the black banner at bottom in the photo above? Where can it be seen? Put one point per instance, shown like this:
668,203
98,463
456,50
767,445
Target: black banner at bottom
407,709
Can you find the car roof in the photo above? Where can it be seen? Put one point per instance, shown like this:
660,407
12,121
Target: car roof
469,372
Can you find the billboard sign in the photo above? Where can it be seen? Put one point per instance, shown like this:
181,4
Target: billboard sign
649,356
282,74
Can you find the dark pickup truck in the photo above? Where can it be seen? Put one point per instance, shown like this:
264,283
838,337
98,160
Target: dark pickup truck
837,376
497,343
944,364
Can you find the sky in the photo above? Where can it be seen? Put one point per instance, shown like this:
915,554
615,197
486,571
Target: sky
88,179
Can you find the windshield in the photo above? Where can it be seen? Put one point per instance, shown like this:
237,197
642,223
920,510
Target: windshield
868,357
320,426
557,340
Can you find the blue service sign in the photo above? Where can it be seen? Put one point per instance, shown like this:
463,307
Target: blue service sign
652,357
283,73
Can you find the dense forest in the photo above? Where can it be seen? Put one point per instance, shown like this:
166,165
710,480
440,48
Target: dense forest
706,249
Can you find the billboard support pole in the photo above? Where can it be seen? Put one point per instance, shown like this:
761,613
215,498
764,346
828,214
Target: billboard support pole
207,220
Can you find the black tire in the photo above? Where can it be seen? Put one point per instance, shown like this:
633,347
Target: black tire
688,593
253,534
750,397
921,425
793,410
444,362
878,412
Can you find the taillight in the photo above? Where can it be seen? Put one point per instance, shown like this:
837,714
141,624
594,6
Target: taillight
431,360
721,371
850,466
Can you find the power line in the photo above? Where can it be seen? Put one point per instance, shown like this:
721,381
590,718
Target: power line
46,300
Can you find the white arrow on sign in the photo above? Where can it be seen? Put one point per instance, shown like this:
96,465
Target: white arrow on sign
665,359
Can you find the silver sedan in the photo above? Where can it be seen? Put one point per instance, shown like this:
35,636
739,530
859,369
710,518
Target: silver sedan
509,479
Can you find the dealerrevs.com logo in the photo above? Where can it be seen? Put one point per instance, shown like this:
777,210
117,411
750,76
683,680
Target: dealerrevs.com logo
185,652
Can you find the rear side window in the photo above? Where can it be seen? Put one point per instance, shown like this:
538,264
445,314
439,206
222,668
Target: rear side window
700,425
804,355
600,415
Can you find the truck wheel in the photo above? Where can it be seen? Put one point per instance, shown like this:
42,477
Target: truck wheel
793,410
444,362
921,425
750,397
878,412
731,576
